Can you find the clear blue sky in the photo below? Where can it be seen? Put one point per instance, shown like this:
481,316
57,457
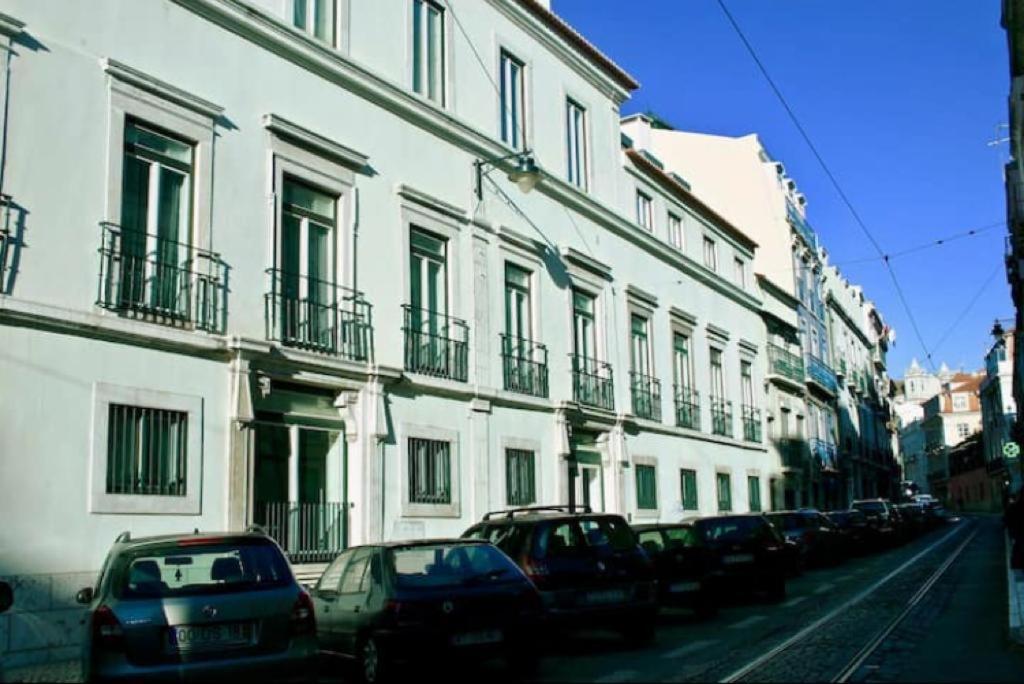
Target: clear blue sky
899,97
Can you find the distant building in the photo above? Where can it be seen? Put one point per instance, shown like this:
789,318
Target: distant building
999,411
950,417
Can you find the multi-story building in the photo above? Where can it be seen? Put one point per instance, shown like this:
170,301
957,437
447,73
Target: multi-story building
950,417
998,413
914,455
739,178
301,285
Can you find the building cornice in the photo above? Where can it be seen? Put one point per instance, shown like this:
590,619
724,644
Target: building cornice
143,81
432,203
315,142
9,26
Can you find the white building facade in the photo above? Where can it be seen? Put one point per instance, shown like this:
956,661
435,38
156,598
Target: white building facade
257,276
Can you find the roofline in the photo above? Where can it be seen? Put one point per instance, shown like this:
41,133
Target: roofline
668,182
573,37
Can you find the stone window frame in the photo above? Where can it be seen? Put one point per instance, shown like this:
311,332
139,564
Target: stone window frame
417,510
647,513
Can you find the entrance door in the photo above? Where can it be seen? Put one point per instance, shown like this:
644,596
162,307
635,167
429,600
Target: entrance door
590,481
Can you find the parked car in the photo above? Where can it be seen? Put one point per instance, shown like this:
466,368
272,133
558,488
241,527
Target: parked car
881,527
814,534
688,572
413,602
914,518
852,526
588,567
751,551
198,606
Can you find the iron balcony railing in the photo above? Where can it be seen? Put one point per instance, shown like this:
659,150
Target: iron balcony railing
785,363
592,383
687,407
824,454
793,453
645,392
436,344
721,417
318,315
751,424
524,366
801,226
821,373
307,532
152,278
8,236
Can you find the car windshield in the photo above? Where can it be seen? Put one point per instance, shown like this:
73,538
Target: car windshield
729,530
198,566
449,565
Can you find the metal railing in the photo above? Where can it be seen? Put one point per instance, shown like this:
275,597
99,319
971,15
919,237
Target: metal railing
824,454
8,236
721,417
524,365
318,315
687,407
645,392
801,226
436,344
793,453
821,373
785,363
152,278
751,423
592,383
308,532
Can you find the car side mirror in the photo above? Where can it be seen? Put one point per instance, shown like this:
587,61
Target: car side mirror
6,596
84,596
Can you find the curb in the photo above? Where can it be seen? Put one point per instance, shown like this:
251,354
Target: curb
1015,590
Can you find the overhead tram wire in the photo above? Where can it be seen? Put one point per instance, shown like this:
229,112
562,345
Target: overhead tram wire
835,183
967,309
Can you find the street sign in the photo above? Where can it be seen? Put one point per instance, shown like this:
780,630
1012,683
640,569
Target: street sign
1011,450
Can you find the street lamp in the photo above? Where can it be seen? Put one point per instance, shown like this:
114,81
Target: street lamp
525,175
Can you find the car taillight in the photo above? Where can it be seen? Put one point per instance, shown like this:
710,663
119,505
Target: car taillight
537,571
303,619
106,630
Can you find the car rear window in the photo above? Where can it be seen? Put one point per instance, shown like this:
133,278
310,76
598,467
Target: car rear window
788,521
431,566
873,506
575,535
197,567
728,530
682,537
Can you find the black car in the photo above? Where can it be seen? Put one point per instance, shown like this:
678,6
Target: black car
414,601
814,534
688,572
914,518
752,553
852,527
588,567
881,521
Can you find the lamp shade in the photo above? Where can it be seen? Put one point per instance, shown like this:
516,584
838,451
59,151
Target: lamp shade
526,175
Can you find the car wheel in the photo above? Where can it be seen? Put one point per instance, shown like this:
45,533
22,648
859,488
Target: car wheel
371,670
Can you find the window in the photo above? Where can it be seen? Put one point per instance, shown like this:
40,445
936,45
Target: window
513,102
754,493
430,477
724,492
644,211
156,208
518,317
428,50
354,581
640,344
316,17
146,451
710,254
576,143
717,377
681,360
428,277
746,383
675,231
520,484
960,402
963,430
688,488
740,267
646,487
584,334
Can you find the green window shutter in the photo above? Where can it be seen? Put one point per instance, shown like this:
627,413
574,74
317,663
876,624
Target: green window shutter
688,483
754,488
724,492
646,487
520,482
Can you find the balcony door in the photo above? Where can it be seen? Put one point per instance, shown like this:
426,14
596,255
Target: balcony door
428,298
156,204
584,330
518,314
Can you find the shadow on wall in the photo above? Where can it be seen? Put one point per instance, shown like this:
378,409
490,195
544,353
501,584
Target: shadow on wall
44,624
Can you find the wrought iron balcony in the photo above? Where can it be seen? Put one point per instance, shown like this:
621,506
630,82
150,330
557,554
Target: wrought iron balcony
8,239
524,366
687,407
793,453
151,278
307,532
592,383
819,372
318,315
801,226
824,454
435,344
751,424
721,417
646,395
785,363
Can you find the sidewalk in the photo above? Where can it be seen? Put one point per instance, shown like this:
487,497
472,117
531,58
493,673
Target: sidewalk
1015,590
64,672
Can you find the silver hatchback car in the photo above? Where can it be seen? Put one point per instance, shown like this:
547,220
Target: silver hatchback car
198,606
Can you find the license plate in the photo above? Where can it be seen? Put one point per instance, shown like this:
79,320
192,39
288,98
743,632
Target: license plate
738,558
488,636
603,597
225,635
684,587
